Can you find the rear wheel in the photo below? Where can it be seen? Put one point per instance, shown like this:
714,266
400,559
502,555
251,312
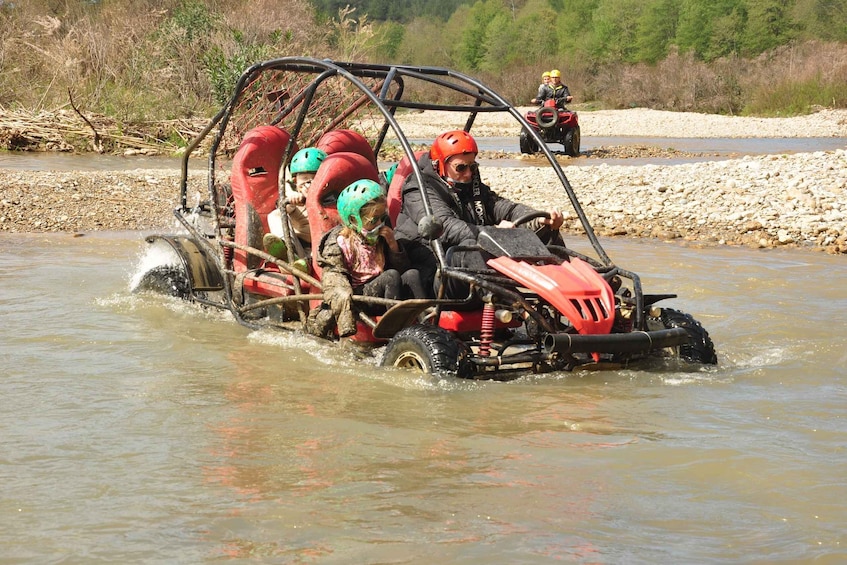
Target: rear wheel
426,349
700,349
571,143
527,144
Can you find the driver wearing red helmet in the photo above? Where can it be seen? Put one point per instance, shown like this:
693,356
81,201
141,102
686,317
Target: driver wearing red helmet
460,201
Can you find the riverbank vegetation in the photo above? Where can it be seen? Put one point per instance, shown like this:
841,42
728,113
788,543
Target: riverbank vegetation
150,61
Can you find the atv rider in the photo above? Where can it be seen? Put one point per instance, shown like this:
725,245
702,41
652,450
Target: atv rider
302,168
461,203
544,90
362,257
558,91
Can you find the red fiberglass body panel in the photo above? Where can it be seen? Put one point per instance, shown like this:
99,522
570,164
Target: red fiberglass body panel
470,321
573,288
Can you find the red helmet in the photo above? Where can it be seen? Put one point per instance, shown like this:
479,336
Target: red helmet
451,143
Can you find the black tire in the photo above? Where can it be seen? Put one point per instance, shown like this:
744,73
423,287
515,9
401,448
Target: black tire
700,349
547,117
572,139
427,349
170,280
527,144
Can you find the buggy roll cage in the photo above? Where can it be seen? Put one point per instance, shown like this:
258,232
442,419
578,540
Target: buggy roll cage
484,100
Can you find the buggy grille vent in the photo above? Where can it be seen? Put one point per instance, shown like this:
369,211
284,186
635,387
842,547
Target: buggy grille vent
590,309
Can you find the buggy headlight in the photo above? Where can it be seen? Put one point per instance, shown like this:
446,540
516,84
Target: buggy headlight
503,316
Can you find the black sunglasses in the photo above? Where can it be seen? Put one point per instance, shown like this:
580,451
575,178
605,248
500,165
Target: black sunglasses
462,167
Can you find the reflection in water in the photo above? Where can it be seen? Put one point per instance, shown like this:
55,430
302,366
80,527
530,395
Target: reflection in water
143,429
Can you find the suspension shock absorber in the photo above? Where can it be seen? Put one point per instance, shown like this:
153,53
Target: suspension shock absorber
228,253
486,334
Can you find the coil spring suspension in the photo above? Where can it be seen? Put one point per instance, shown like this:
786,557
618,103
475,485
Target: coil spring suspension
228,253
486,334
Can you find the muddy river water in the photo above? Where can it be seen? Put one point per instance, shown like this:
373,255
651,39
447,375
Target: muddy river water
710,149
143,430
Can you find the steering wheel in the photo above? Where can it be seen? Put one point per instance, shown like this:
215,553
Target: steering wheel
531,216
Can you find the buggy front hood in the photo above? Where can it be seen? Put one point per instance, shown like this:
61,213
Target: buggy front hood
574,288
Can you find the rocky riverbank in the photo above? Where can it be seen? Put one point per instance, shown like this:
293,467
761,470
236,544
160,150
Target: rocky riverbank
762,201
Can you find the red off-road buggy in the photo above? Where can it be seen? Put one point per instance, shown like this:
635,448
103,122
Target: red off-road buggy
530,308
553,125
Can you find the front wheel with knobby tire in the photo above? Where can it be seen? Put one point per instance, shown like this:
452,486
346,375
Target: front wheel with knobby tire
699,349
427,349
527,144
571,143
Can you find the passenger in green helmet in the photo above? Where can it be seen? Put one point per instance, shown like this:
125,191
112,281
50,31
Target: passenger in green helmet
302,169
362,257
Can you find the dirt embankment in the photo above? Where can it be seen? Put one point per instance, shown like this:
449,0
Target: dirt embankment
762,201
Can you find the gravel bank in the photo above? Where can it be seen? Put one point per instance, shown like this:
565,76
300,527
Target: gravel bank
762,201
644,122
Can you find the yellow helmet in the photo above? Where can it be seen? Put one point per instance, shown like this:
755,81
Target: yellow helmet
555,73
545,74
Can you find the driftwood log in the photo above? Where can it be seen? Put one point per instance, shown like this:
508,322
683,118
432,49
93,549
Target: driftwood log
71,131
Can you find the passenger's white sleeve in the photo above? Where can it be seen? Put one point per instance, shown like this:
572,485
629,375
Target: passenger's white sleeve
275,223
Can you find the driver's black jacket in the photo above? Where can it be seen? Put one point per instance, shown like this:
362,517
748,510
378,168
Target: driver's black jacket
460,211
544,92
560,93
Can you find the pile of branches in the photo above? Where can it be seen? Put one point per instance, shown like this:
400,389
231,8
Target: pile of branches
71,131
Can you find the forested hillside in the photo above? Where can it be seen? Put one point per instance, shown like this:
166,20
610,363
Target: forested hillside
163,59
612,30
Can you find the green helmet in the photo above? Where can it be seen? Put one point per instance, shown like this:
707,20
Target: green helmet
352,198
389,174
306,160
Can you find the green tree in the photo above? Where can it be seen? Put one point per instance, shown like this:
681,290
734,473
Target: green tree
727,31
470,50
656,30
422,44
710,29
574,25
388,39
500,40
830,20
615,24
768,25
536,35
693,33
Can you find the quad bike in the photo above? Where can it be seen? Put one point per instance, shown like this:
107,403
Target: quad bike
554,125
529,307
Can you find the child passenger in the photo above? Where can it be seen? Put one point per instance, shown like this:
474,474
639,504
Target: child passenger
302,168
362,257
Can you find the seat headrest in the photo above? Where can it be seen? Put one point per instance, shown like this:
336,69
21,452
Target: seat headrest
256,166
336,172
395,189
346,141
